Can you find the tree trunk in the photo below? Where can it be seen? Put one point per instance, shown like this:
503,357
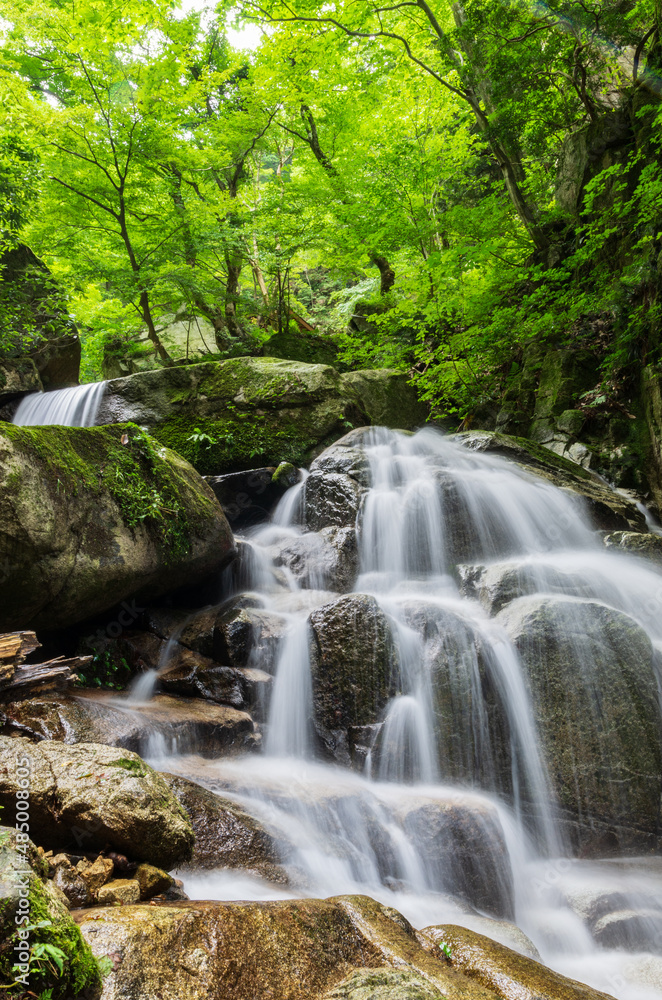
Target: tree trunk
387,274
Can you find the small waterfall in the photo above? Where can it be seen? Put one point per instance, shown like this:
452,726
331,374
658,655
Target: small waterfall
74,407
454,819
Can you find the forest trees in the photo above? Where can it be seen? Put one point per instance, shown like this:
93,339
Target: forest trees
477,175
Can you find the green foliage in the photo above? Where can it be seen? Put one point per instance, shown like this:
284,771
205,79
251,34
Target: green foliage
434,143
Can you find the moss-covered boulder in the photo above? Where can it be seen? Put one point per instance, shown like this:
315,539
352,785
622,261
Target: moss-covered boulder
594,694
93,796
606,508
28,898
649,545
92,516
236,414
388,398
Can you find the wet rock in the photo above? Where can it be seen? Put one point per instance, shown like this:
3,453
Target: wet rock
594,694
331,499
22,868
609,510
384,984
352,652
347,458
497,585
74,887
77,542
289,950
196,676
647,545
190,724
226,836
94,796
464,852
152,881
509,975
327,560
120,890
246,635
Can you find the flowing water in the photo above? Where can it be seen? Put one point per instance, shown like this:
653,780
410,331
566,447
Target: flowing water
74,407
440,817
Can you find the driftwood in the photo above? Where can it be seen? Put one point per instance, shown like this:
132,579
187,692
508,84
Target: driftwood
21,680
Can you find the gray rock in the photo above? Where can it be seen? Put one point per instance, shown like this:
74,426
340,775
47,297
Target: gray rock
94,796
331,499
594,694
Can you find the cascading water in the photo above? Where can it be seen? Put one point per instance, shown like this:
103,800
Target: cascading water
454,817
74,407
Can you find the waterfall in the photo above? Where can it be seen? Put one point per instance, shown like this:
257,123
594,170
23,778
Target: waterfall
450,813
74,407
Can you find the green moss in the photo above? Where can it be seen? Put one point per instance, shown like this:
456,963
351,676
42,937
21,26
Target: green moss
121,460
81,972
135,766
246,439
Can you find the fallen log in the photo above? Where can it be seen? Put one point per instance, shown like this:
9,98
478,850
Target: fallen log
38,678
15,647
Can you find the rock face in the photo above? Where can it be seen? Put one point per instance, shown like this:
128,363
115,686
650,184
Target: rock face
21,868
225,835
508,974
92,516
388,398
18,376
192,725
249,497
95,796
594,695
250,409
351,662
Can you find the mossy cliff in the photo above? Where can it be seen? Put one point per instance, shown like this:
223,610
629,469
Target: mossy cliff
92,516
237,414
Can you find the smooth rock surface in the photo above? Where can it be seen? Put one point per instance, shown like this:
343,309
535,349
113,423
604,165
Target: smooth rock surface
92,796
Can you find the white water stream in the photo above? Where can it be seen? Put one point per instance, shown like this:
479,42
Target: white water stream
408,830
74,407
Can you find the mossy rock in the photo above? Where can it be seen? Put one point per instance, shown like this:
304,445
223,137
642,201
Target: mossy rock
309,347
92,516
249,412
384,984
20,869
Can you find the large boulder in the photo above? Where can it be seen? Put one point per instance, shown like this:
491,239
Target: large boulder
190,724
18,376
27,897
595,699
388,398
284,950
249,410
224,416
92,516
352,662
94,796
